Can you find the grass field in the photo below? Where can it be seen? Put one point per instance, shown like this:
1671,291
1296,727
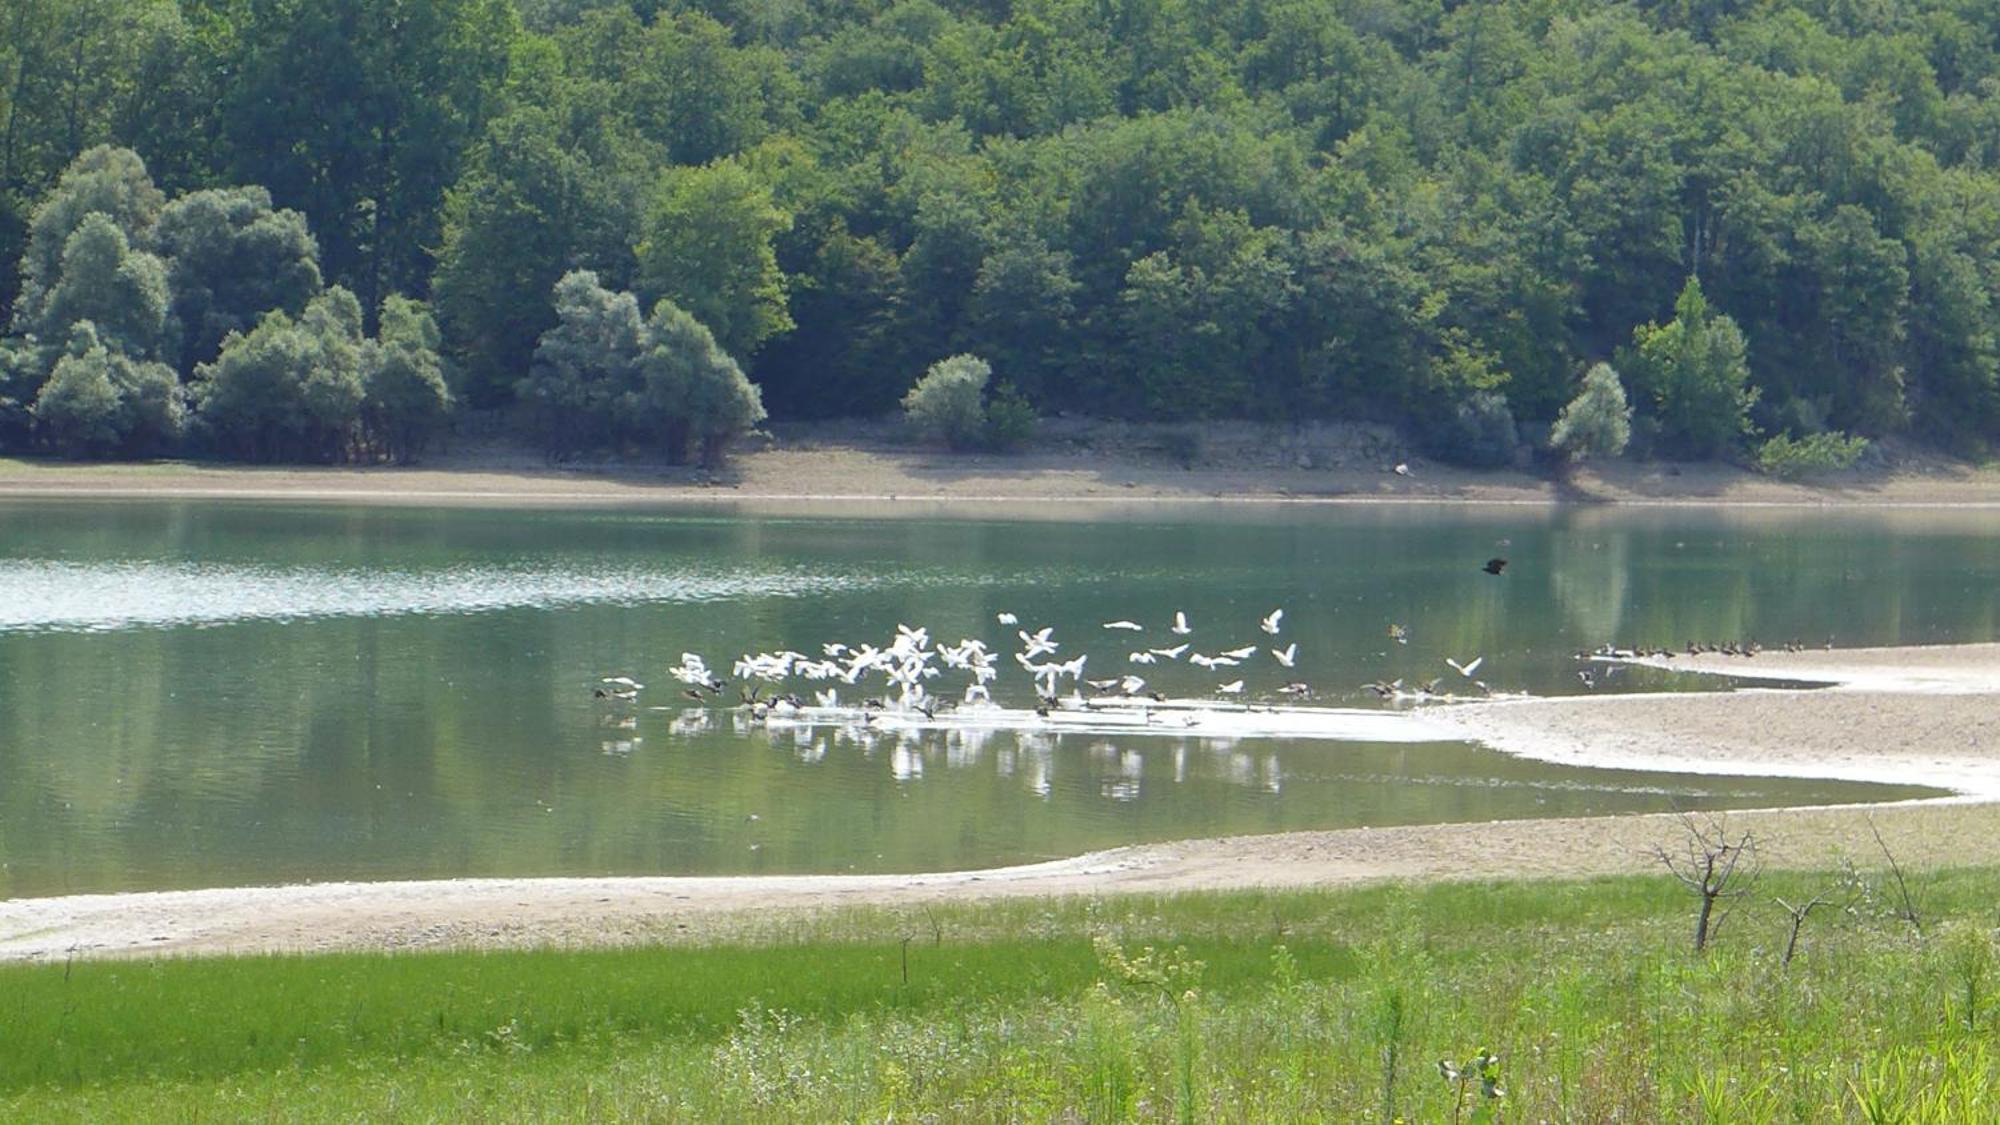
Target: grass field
1252,1006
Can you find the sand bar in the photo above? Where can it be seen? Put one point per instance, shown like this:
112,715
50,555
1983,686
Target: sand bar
1923,714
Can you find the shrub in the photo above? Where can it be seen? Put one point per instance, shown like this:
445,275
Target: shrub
1827,452
407,399
99,402
1010,419
1478,432
289,389
946,404
1598,421
699,391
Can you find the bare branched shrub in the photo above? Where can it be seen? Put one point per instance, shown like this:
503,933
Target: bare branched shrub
1716,868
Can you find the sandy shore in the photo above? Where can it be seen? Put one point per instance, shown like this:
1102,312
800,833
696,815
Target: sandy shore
816,474
1929,715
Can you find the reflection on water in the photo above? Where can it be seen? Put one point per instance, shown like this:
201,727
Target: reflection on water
200,693
44,594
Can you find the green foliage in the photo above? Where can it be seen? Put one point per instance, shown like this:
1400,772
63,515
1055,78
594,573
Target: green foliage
531,206
1828,452
1261,210
708,247
288,389
603,378
99,402
120,290
1693,368
697,390
948,404
230,259
406,399
1010,420
1598,421
1479,431
105,181
581,391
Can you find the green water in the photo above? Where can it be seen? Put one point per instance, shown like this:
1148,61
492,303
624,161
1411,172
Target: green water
199,694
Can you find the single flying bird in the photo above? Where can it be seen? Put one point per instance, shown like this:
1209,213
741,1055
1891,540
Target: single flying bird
1233,687
1133,626
1287,656
1467,669
1180,624
1270,624
1494,566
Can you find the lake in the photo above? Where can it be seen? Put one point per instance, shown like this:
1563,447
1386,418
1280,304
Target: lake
217,693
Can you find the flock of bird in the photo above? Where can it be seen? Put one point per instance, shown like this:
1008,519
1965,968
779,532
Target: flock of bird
914,671
909,673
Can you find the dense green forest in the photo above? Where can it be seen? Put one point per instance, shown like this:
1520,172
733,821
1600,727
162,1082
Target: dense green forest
1437,214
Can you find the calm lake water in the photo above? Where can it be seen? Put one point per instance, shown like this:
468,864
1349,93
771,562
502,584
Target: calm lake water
212,693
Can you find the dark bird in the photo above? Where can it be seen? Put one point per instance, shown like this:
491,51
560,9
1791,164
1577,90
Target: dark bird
1494,566
694,695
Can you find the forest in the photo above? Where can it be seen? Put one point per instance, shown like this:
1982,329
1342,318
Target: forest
311,229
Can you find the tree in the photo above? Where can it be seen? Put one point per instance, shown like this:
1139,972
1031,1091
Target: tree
604,378
1694,370
697,391
99,402
406,397
357,112
1598,421
947,404
288,389
104,280
582,388
106,181
231,258
708,247
528,209
1023,311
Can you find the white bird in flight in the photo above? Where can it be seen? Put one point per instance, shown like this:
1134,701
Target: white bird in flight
1180,624
1039,642
1006,619
1468,669
1173,653
1270,624
1244,653
1288,655
1233,687
1134,626
1142,658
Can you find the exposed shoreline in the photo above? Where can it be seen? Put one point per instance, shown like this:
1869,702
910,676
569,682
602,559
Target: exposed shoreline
1927,715
848,474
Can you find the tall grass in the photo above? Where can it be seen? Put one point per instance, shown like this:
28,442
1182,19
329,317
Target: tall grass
1332,1005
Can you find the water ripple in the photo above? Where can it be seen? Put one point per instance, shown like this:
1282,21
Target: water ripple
60,596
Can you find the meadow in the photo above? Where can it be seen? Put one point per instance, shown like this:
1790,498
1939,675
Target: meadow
1242,1006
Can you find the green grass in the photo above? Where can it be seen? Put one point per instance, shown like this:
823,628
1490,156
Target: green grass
1329,1005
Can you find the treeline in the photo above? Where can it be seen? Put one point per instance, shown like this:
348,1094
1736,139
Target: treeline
1432,213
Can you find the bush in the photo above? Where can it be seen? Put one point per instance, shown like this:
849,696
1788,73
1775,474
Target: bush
1832,451
1598,421
946,404
289,390
406,397
1010,420
98,402
1478,432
